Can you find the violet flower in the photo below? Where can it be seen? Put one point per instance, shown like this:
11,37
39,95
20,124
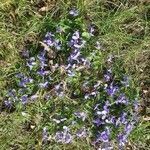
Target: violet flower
57,44
42,72
122,100
31,63
41,56
34,97
24,99
63,136
112,90
122,139
104,136
128,128
98,122
11,93
59,90
103,114
111,120
81,115
8,104
44,135
24,81
76,35
76,42
43,85
49,39
107,76
81,133
122,119
59,136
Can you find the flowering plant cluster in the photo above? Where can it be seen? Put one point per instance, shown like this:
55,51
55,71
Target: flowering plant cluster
86,94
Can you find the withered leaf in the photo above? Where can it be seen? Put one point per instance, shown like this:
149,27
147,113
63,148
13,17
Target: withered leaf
51,53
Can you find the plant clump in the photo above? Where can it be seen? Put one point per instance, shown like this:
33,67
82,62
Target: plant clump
85,90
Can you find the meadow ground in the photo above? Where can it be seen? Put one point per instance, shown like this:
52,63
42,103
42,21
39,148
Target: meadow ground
123,28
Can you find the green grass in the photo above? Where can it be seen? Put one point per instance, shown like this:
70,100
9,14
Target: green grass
124,29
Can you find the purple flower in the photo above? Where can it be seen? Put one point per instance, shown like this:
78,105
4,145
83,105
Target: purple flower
122,99
24,99
42,72
8,103
44,135
98,122
67,138
31,63
103,114
81,115
122,139
43,85
107,76
59,90
128,128
104,136
111,120
42,59
76,42
57,44
112,90
74,57
12,93
63,136
81,133
76,35
122,119
33,97
41,56
59,136
20,75
79,44
49,39
74,12
24,81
